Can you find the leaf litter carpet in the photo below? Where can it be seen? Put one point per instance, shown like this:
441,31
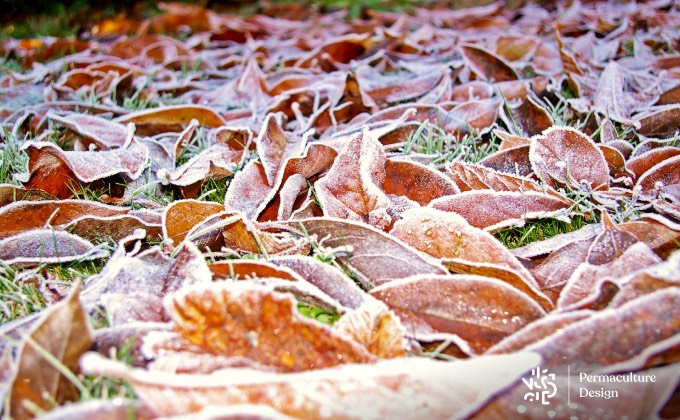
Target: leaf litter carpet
299,215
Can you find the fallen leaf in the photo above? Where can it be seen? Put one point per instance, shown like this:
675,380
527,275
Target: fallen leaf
417,182
171,119
351,188
480,310
47,246
58,172
566,156
102,132
181,216
640,164
495,210
241,319
488,65
380,390
372,255
64,332
464,247
375,327
661,179
513,161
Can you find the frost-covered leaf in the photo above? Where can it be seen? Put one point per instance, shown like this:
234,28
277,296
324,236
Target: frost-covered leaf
242,319
494,210
47,246
374,255
480,310
386,389
352,187
64,332
565,156
58,172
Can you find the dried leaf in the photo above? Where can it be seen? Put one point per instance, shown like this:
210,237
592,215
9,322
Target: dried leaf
640,164
327,278
241,319
567,157
493,210
181,216
47,246
351,188
659,123
64,332
106,134
375,327
468,249
417,182
528,118
381,390
661,179
478,309
171,118
374,256
513,161
488,65
57,172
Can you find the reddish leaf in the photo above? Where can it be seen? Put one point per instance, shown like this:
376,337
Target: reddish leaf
56,171
567,157
609,97
661,179
640,164
493,210
275,147
513,161
468,249
46,246
376,328
660,123
351,188
104,133
488,65
478,309
527,118
417,182
371,254
171,118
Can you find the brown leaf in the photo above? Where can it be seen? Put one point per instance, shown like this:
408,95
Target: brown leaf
171,118
375,327
326,277
351,188
242,235
372,255
615,161
513,161
609,244
661,179
528,118
25,215
56,171
609,97
586,280
648,280
488,65
275,147
63,331
480,116
478,309
655,232
537,330
131,287
248,190
625,337
494,210
106,134
568,157
47,246
640,164
415,181
470,250
241,319
11,193
382,390
661,122
469,176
